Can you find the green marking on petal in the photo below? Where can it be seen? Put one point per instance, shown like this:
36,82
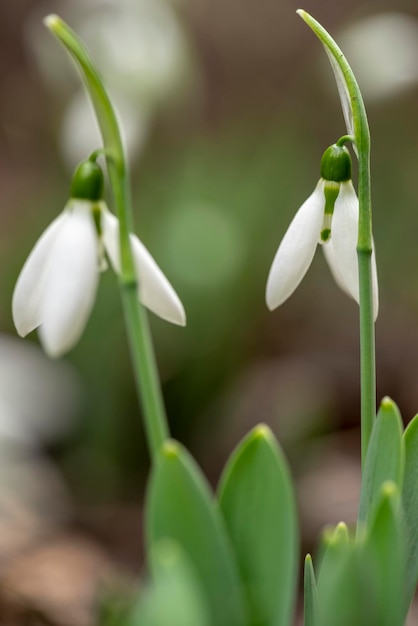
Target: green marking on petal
325,235
331,191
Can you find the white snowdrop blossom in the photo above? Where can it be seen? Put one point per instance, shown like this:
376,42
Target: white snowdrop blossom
56,288
329,217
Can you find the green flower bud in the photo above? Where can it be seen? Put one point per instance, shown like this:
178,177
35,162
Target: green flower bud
336,164
88,182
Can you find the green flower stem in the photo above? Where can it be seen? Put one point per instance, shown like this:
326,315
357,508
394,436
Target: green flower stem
367,338
357,126
145,369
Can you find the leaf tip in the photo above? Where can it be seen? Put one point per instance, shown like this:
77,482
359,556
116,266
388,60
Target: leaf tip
51,21
262,431
387,403
340,534
389,489
170,450
304,15
308,559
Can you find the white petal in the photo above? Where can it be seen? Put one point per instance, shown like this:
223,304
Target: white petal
296,250
70,282
154,290
29,287
344,235
329,253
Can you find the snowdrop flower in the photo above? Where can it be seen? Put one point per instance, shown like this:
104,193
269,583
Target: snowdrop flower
57,285
330,217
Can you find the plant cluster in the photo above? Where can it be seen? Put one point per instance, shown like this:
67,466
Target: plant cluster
231,559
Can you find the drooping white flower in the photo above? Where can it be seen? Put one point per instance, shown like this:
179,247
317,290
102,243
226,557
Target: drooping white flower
56,288
330,217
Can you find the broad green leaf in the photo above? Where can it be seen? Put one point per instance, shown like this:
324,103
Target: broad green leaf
385,547
410,506
310,595
385,458
257,501
180,507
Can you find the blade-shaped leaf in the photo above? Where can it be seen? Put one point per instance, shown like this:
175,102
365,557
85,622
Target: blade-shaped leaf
310,595
334,551
180,507
385,458
410,506
385,547
345,583
257,500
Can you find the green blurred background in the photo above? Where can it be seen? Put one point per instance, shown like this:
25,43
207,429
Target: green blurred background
228,105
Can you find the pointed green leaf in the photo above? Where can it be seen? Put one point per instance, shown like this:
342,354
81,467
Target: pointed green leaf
310,595
385,547
257,500
334,551
410,506
348,597
345,584
180,507
385,458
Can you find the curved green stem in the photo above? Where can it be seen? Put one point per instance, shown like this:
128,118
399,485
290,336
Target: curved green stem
145,369
357,127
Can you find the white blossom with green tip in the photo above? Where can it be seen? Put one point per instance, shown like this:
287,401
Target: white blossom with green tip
57,286
330,217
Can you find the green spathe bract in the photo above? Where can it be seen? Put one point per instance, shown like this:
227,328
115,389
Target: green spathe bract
257,501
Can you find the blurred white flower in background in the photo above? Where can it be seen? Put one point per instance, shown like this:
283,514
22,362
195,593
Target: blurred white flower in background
38,401
383,51
143,54
38,398
79,133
